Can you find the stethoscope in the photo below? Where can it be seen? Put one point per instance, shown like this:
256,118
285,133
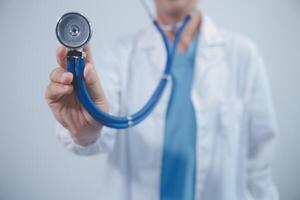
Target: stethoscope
73,30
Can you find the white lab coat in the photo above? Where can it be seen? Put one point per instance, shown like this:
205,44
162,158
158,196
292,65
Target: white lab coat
235,119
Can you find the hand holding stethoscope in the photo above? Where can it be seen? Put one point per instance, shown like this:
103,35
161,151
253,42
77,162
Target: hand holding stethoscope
74,31
64,104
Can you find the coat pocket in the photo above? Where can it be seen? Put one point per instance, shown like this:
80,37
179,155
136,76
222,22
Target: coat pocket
230,126
231,112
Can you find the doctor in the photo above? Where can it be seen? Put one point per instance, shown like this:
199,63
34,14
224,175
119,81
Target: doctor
212,133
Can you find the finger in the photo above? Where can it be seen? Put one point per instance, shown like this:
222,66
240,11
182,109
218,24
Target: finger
90,74
56,91
87,49
60,75
61,56
93,83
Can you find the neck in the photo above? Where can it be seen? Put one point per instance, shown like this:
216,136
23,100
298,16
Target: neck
173,18
189,32
170,19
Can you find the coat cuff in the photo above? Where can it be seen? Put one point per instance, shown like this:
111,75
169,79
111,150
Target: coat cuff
104,143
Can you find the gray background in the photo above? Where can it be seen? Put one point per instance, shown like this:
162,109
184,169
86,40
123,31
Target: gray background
34,166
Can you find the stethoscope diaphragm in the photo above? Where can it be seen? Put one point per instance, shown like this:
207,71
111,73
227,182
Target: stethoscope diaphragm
73,30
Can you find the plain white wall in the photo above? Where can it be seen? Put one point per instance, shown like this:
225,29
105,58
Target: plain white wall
34,166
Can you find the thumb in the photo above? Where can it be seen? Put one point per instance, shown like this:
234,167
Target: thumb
88,51
94,86
61,55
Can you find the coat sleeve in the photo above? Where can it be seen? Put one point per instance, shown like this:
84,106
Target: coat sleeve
262,128
109,72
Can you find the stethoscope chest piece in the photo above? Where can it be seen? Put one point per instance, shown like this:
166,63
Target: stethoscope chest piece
73,30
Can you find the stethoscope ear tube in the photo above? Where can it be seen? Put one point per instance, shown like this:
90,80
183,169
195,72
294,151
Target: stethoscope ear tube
76,64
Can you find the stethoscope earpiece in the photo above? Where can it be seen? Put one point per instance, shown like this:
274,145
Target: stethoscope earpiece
73,30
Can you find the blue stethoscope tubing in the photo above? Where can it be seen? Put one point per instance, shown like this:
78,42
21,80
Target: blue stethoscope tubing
76,64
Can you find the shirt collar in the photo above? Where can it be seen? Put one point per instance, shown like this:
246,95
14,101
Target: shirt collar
209,33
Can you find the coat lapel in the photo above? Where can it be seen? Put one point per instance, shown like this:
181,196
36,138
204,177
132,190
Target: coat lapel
210,57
